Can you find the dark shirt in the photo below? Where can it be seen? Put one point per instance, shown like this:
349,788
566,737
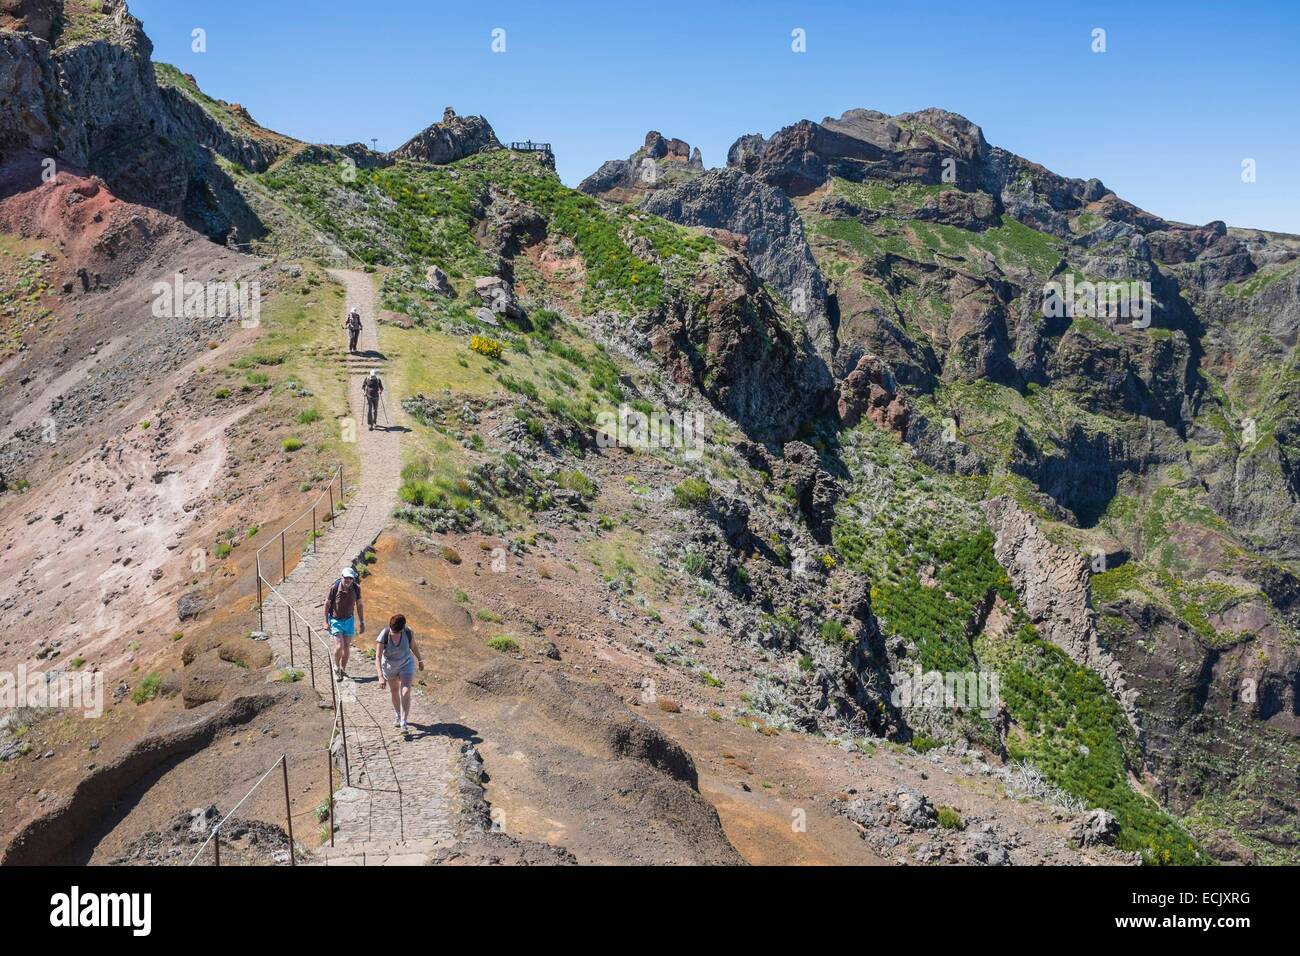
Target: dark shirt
345,599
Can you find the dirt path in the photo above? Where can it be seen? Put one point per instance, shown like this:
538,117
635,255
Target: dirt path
402,799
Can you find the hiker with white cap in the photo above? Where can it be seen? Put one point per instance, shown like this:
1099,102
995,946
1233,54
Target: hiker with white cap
341,604
353,325
372,387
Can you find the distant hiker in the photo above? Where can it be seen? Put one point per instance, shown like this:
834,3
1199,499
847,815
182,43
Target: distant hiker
353,325
373,389
342,602
396,658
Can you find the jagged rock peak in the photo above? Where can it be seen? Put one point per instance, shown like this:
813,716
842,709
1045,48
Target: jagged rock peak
661,161
672,150
914,146
455,137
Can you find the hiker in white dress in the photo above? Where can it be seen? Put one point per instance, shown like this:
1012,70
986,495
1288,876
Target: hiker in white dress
396,659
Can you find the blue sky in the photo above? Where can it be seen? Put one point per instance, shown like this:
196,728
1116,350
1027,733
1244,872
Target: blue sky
1184,92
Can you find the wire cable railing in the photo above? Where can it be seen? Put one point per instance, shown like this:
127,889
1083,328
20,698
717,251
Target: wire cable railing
314,519
320,517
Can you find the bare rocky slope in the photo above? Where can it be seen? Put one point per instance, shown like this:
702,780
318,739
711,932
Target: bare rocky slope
896,464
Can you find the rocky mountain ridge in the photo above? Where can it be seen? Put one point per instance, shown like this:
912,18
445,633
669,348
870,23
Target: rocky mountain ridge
910,462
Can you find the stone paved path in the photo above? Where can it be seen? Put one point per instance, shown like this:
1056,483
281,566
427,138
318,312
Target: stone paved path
402,801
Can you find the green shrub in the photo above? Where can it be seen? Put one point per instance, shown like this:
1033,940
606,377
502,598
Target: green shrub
519,386
574,480
291,444
695,564
950,819
503,643
834,632
147,689
692,493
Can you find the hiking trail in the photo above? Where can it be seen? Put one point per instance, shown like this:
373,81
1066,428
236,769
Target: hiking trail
403,800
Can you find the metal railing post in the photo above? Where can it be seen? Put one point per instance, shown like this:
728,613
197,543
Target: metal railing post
329,769
288,812
261,624
313,528
290,613
343,731
284,567
311,657
216,845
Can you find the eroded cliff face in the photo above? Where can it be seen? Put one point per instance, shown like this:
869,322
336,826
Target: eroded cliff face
1052,583
84,91
1162,433
774,241
729,339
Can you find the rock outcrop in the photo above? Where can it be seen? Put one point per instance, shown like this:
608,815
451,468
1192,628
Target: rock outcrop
774,239
454,138
729,341
37,17
1052,583
867,391
658,164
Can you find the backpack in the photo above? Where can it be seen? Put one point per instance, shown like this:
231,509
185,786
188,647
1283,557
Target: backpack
388,632
372,386
334,593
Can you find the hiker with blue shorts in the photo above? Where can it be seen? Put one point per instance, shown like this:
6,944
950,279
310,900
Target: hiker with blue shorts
342,604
